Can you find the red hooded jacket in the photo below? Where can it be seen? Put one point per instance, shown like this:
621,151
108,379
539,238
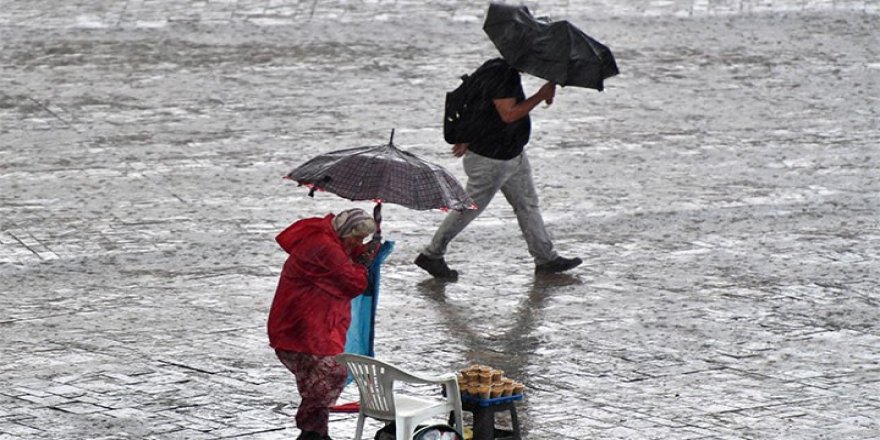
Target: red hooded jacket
311,311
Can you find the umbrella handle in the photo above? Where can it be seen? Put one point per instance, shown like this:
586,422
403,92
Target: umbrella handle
377,217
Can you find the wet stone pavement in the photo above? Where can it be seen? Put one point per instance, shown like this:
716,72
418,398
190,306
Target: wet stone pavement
723,191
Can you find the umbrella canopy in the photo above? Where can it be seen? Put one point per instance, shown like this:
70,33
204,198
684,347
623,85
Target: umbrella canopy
553,50
385,174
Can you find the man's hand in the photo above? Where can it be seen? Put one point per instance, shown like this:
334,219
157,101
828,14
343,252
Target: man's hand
511,111
547,92
458,150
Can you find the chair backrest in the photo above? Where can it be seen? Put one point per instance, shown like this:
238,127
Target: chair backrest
375,381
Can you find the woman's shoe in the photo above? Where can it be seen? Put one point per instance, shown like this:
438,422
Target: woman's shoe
311,435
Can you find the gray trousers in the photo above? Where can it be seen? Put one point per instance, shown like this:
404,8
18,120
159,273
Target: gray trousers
485,178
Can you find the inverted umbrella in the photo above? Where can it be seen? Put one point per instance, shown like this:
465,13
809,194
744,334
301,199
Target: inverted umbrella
553,50
385,174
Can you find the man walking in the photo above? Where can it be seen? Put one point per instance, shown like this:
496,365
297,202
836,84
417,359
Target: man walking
495,160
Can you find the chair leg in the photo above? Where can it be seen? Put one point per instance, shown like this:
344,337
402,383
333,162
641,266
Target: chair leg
360,427
404,429
457,422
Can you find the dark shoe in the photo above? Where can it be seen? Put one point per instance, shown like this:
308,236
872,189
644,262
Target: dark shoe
310,435
436,267
560,264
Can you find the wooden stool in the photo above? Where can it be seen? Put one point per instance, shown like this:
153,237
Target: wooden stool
484,420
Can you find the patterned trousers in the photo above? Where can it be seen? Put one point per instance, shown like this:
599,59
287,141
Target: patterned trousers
320,380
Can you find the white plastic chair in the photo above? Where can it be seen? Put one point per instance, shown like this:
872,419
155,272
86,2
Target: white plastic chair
379,400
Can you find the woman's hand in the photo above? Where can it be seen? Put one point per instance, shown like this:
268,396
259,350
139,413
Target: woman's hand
458,150
368,254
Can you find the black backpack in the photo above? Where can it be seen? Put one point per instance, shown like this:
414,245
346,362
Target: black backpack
463,118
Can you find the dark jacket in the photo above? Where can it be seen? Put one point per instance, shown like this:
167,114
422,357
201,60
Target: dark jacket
499,140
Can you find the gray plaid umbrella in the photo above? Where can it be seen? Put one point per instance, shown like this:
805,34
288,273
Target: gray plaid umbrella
384,174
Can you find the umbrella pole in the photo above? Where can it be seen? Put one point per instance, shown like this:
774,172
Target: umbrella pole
377,216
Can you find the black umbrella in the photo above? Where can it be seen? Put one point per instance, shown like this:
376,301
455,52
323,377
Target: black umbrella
554,50
384,174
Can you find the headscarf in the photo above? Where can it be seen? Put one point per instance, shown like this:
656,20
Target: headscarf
354,221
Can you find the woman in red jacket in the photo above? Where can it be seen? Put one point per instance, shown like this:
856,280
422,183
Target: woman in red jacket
326,268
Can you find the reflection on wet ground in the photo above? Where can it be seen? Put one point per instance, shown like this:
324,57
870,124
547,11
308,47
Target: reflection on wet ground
510,350
517,338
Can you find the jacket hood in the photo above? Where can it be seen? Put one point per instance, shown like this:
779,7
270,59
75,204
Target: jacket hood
300,229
